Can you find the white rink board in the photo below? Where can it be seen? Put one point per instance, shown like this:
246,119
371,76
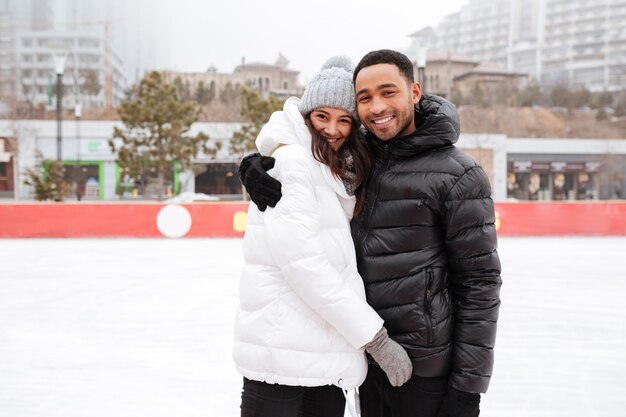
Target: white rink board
143,328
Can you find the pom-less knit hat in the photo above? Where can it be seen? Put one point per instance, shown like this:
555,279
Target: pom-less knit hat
332,87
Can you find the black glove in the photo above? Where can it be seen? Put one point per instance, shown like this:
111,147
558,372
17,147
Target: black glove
462,404
263,189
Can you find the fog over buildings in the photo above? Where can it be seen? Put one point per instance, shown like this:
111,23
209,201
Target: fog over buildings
107,41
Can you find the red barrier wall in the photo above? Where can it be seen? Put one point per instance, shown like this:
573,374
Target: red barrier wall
561,219
227,219
114,220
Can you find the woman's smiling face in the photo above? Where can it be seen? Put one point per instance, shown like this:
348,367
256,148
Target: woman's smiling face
333,125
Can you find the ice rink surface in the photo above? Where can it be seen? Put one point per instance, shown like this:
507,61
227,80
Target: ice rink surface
143,328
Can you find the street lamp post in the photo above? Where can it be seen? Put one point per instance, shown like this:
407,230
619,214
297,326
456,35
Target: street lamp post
77,169
59,65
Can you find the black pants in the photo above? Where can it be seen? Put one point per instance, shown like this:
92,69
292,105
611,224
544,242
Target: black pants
259,399
419,397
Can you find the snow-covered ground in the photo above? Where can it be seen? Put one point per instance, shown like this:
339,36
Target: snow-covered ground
143,328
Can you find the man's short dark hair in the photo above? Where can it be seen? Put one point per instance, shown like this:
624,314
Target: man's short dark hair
387,56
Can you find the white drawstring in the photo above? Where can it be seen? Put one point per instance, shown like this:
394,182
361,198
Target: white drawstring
355,410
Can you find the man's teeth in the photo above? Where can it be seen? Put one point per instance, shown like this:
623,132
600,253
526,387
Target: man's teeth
381,121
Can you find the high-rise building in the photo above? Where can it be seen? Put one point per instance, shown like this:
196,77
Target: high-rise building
479,30
92,72
584,42
573,42
104,40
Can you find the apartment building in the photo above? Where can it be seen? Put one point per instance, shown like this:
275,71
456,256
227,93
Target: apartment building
573,42
479,30
87,57
584,42
103,40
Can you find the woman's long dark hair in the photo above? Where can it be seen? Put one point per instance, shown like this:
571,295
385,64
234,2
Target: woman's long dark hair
356,145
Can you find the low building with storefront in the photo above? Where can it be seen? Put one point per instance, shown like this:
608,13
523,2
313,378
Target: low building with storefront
525,169
90,165
566,169
532,169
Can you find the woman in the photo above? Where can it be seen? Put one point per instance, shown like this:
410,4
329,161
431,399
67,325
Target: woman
303,321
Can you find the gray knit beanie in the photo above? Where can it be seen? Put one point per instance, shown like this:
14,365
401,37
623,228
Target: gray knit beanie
332,87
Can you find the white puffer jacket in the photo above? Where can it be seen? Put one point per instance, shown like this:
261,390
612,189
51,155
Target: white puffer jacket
303,317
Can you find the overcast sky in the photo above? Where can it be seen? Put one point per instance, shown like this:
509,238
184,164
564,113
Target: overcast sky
195,34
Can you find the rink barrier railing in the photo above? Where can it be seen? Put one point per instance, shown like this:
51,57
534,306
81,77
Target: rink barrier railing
228,219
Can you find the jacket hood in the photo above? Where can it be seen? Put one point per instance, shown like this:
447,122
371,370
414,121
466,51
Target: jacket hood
284,127
437,124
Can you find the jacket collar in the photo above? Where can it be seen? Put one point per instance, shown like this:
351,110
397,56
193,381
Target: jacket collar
437,125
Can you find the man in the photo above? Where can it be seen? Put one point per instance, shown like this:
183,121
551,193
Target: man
425,244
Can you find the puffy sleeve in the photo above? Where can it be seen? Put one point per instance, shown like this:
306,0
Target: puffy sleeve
474,268
293,230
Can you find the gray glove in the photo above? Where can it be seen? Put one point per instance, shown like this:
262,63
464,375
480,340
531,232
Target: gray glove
391,357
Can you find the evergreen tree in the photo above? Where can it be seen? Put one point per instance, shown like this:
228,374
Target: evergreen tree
255,112
602,100
478,97
47,180
203,94
182,89
581,97
91,83
229,94
561,96
156,131
531,94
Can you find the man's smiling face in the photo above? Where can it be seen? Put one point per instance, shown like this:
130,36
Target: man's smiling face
385,101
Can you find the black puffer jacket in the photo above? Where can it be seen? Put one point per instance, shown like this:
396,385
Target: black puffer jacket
426,248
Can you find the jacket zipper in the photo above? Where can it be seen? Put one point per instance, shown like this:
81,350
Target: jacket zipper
372,196
427,307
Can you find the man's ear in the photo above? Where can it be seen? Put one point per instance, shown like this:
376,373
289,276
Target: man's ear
416,92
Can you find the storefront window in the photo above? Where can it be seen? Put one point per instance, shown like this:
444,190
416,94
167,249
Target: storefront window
512,186
4,176
538,187
586,186
85,180
563,186
6,166
146,185
218,179
557,181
